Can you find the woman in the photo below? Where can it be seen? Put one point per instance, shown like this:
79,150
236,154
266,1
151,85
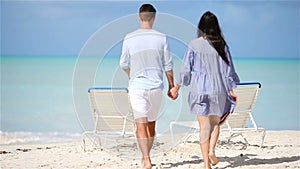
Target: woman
208,70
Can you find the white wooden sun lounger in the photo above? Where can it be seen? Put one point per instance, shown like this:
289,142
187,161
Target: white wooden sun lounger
112,114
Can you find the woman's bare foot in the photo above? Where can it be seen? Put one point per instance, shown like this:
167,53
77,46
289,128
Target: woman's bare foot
146,163
213,159
207,166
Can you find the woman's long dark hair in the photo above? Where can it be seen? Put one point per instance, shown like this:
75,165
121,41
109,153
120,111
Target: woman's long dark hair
209,28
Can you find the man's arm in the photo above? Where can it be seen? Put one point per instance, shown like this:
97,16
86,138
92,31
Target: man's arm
127,71
170,78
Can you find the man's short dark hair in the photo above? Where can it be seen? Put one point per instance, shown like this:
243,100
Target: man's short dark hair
147,12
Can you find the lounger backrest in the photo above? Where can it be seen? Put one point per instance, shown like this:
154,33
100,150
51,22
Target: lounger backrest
247,95
111,110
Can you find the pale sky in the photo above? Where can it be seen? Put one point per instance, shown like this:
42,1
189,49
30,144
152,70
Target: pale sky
259,29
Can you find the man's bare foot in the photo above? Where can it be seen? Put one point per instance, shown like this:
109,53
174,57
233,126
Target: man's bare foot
146,163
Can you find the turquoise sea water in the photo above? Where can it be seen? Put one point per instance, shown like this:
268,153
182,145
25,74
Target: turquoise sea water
37,93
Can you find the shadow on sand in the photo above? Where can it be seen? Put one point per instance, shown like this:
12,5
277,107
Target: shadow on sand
235,162
244,160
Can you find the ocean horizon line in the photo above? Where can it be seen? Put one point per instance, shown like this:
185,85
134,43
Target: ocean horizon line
113,56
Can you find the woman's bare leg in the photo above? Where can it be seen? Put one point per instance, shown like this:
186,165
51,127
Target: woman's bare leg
204,139
213,143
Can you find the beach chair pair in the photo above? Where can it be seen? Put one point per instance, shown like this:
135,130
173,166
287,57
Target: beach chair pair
113,115
240,121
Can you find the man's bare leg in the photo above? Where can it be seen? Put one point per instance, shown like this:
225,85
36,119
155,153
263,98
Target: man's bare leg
143,140
151,134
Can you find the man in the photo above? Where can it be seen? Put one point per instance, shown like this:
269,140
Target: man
145,56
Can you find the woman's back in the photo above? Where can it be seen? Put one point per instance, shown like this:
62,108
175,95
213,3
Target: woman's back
208,70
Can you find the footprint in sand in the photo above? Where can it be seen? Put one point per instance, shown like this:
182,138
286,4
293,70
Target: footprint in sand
23,150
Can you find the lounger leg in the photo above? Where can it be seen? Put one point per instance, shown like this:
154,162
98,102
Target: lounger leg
238,134
171,131
84,137
232,136
187,137
83,141
98,142
263,137
246,141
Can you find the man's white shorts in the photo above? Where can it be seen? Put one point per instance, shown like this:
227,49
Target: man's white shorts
145,103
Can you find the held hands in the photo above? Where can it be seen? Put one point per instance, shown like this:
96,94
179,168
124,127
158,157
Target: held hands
173,92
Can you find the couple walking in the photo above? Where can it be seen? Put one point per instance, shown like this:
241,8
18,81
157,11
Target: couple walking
207,68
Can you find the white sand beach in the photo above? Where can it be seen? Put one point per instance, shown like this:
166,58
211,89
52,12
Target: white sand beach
281,150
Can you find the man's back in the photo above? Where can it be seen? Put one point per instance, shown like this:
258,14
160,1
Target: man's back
146,53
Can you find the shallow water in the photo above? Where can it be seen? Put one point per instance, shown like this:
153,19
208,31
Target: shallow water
37,93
